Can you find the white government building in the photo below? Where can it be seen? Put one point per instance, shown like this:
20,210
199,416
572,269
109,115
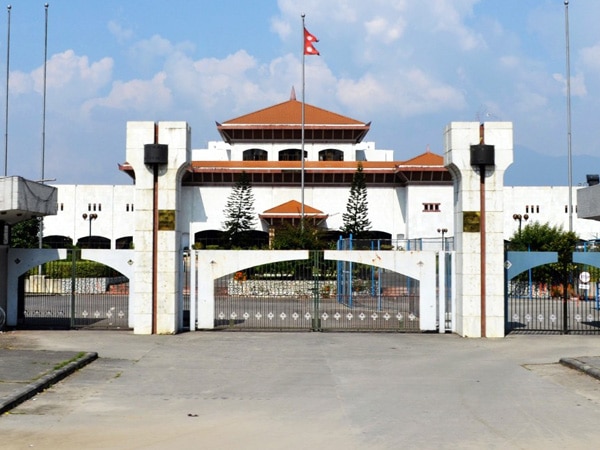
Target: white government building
408,200
178,199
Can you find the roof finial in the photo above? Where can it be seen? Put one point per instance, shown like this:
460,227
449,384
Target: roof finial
293,94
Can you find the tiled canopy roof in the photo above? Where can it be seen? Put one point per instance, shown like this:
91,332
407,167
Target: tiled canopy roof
283,122
292,209
289,113
426,168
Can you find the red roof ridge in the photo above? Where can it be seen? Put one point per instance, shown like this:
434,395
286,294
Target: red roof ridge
292,207
425,159
289,113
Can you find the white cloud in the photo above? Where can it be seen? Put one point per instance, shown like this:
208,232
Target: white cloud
590,57
120,33
379,28
410,93
578,88
146,96
66,72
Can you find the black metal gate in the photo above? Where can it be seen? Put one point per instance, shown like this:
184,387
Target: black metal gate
73,293
538,303
317,295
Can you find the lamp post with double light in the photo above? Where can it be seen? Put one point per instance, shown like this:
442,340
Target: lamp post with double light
443,231
90,218
520,218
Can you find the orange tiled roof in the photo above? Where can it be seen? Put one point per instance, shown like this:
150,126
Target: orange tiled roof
283,122
425,159
277,166
290,113
291,209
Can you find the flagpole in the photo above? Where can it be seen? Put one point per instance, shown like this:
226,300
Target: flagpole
569,152
6,110
42,180
44,95
302,132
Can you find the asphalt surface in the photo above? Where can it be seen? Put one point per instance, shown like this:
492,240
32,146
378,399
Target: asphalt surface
105,389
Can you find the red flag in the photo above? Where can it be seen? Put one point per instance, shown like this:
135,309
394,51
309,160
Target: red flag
309,49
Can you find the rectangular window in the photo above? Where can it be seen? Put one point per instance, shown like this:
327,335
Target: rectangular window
431,207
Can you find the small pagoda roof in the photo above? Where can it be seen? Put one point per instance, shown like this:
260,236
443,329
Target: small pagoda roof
283,123
292,210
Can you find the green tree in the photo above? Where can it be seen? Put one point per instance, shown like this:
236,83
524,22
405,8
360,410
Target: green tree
537,237
296,237
25,234
356,218
239,212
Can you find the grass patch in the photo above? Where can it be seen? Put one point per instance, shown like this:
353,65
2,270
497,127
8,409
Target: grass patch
69,361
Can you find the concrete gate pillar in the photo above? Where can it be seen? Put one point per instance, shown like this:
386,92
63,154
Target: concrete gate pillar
3,278
479,222
155,290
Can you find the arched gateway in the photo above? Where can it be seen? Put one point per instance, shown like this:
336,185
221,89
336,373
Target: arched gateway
60,288
255,289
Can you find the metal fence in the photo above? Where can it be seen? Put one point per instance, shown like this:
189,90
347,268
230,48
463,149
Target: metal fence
317,295
73,293
543,306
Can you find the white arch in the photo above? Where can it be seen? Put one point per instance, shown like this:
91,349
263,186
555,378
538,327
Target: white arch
213,264
20,260
418,265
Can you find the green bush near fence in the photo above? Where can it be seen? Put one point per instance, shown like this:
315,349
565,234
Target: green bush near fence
83,269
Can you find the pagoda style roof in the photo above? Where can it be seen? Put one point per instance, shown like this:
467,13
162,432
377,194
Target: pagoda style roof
283,123
292,210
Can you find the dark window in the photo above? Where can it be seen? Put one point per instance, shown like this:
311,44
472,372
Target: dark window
331,154
291,154
255,154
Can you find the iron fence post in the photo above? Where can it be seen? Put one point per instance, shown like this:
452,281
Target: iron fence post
73,287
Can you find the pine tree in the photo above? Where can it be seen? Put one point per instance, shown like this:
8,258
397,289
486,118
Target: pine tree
356,218
239,210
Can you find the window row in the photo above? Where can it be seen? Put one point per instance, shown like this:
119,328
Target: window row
532,209
95,207
431,207
292,154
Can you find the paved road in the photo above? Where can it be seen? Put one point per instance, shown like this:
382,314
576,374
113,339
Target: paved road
309,390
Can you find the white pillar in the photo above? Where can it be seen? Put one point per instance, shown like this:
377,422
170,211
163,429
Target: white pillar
458,138
177,136
3,278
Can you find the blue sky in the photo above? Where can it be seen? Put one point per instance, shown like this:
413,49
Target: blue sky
408,67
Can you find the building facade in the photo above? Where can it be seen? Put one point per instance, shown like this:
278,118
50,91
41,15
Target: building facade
407,200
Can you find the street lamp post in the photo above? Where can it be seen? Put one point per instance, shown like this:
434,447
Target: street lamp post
443,231
520,218
89,218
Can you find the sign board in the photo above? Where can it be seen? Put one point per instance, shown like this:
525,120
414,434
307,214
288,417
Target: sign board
471,221
584,277
166,219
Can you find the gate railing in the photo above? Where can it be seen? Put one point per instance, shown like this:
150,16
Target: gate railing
298,290
538,304
70,293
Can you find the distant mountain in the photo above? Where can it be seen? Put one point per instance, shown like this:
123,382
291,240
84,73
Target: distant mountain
530,168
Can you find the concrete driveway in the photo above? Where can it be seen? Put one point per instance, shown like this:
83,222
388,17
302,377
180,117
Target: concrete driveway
248,390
